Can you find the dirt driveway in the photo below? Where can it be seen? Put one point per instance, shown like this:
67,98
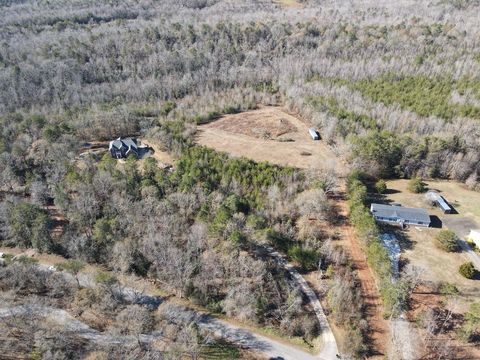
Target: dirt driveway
461,225
268,134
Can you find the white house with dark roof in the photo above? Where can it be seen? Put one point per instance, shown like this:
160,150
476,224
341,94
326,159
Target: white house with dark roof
399,215
121,148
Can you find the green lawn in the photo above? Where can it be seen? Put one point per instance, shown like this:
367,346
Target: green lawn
220,350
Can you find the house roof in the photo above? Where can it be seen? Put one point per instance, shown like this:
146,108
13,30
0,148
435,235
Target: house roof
115,144
119,143
400,212
129,142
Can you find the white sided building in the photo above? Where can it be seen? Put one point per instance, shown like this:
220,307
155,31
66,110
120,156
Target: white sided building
475,237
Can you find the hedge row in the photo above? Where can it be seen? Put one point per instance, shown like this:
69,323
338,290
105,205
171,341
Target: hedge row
393,293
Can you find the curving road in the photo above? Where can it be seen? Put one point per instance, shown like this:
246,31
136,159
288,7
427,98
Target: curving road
237,335
71,324
330,348
259,343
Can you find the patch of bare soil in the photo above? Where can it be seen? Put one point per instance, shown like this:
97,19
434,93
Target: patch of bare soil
291,4
260,124
379,328
423,298
164,158
430,309
268,134
58,221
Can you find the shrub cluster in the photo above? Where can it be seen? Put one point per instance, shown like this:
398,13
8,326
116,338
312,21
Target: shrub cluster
416,185
447,240
467,270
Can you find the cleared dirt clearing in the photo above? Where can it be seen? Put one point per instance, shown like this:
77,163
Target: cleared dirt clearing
288,140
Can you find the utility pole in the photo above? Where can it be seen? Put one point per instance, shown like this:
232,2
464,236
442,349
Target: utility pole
320,271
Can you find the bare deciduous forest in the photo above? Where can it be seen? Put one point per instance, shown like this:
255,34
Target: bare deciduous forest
393,88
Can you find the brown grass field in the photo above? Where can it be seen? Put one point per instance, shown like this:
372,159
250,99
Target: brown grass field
268,134
419,248
289,4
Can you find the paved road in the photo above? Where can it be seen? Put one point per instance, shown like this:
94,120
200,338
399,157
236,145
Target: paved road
473,256
71,324
246,338
462,228
330,348
236,335
266,346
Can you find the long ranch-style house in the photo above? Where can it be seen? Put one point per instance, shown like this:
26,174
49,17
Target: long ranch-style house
399,215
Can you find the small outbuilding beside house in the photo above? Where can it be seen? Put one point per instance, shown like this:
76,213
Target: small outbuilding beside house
436,199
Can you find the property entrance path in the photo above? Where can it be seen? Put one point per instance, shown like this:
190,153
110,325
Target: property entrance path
379,327
462,228
330,349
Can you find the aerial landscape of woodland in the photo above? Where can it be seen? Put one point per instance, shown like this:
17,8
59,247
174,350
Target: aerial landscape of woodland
200,179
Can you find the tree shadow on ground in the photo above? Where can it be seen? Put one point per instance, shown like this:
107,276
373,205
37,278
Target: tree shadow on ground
391,191
145,151
402,236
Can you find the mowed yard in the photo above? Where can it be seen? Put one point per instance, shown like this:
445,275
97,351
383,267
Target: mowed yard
268,134
419,248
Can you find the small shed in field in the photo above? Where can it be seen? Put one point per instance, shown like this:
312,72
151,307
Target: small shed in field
438,200
314,134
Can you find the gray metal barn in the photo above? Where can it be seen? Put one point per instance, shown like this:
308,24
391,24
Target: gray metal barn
438,200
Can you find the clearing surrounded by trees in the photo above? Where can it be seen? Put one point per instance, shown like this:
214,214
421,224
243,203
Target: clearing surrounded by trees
224,92
268,134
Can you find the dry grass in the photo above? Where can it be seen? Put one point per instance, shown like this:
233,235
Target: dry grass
162,156
419,248
438,265
289,4
240,135
272,125
466,202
